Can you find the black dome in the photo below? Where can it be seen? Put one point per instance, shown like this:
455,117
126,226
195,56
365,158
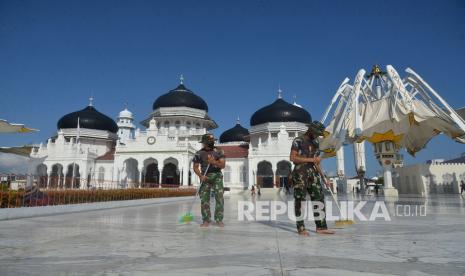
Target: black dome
235,134
280,111
90,118
180,96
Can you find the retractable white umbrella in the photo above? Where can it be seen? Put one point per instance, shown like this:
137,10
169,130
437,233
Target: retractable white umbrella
389,112
382,107
23,150
6,127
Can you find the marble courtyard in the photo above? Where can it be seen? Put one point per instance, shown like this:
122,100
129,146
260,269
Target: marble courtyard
148,240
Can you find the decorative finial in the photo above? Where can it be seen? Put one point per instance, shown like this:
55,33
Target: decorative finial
126,106
295,102
376,71
91,101
181,79
238,121
280,96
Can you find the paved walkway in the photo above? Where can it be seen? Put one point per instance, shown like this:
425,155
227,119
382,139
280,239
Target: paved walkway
149,241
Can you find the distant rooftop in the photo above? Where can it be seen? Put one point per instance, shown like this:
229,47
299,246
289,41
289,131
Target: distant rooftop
460,159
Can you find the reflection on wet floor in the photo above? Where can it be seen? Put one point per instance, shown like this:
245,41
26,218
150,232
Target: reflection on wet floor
149,240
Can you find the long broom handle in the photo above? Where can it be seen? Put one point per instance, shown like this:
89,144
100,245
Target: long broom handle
318,168
198,190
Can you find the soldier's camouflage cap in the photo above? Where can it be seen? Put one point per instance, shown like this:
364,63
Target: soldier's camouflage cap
316,128
206,138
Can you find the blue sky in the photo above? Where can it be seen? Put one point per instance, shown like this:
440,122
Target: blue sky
234,54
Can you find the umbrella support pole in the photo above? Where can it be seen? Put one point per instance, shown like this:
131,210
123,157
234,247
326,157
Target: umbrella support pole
388,189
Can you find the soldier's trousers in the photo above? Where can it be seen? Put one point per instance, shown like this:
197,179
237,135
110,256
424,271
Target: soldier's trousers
312,186
215,182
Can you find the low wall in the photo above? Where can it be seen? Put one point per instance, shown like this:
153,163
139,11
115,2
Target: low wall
425,179
26,212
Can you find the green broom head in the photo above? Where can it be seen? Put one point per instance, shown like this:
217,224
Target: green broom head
186,218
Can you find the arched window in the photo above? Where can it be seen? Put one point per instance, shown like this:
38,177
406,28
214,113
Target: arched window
166,124
170,172
265,175
197,126
227,174
282,172
177,124
101,175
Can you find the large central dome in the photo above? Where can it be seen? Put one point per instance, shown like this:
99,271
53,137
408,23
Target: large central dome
90,118
280,111
180,96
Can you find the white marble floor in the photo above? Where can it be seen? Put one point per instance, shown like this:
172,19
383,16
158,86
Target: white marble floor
149,241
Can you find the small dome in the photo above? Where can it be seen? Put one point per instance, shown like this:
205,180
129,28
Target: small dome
280,111
180,96
90,118
236,134
126,114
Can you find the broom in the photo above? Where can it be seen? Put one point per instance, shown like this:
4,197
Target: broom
188,217
340,222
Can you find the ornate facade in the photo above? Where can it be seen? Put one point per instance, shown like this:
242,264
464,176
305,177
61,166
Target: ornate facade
90,150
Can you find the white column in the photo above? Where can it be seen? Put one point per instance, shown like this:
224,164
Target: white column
116,174
389,190
185,172
59,176
340,162
141,171
274,168
387,177
83,174
359,154
251,173
65,172
49,175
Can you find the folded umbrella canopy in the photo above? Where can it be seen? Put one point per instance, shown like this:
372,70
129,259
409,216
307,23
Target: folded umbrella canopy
6,127
391,113
411,129
383,107
22,151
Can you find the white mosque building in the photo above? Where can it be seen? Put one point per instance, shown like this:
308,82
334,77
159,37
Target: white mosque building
91,150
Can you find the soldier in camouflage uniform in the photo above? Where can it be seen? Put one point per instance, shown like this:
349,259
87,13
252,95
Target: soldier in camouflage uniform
212,158
305,177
